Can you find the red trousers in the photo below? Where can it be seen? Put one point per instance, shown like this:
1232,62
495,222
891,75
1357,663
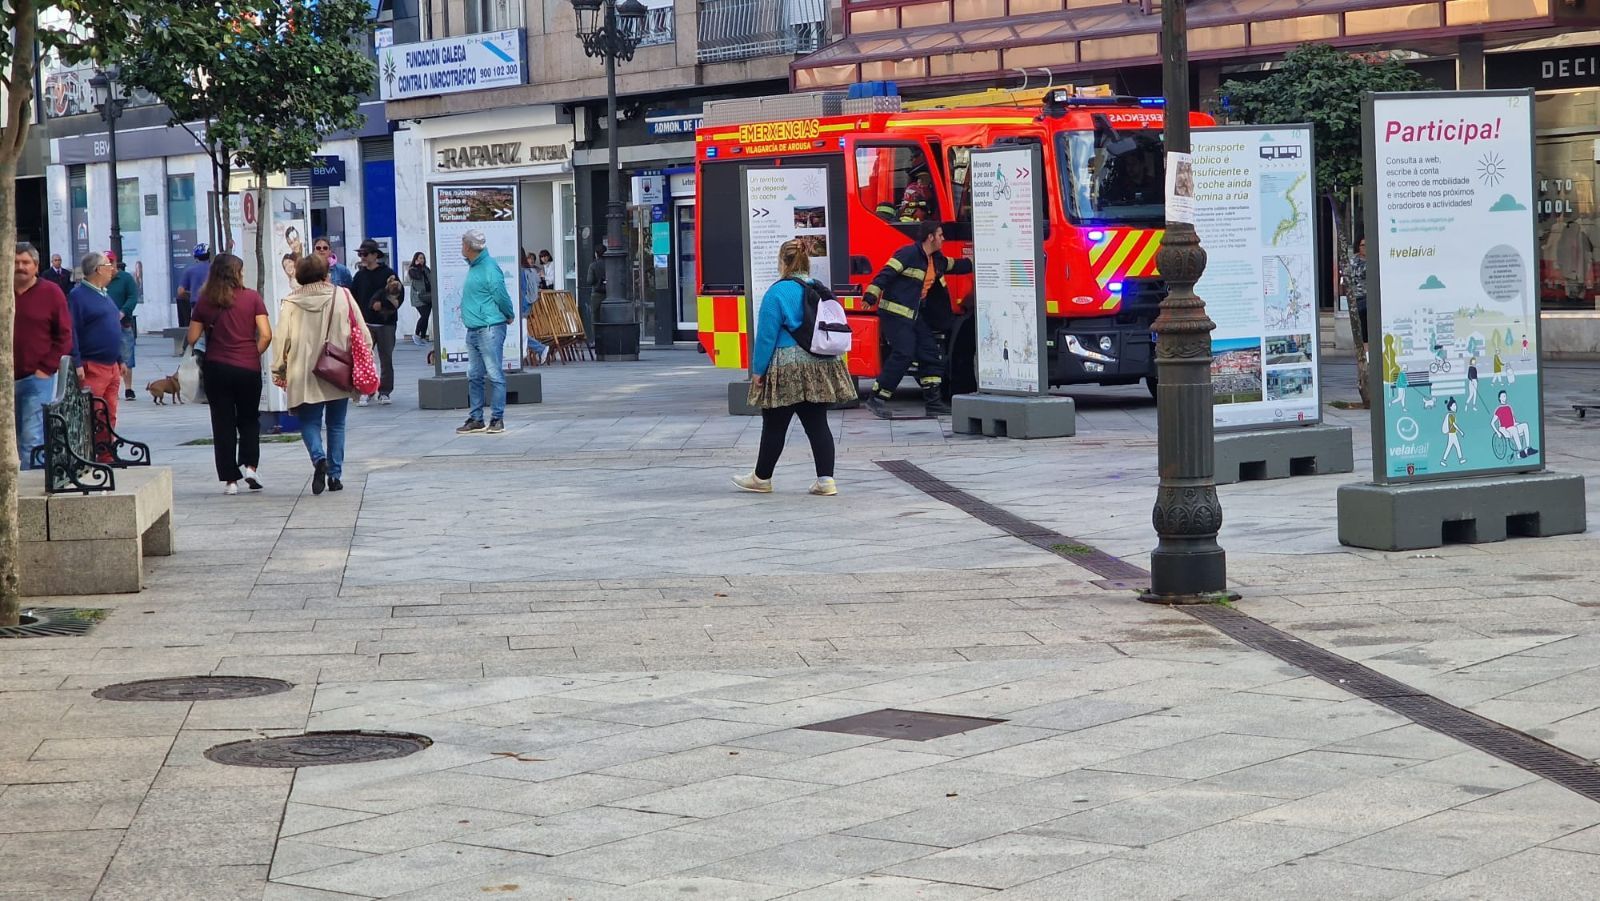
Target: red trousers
104,380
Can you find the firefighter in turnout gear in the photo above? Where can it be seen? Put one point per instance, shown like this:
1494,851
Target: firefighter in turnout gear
913,302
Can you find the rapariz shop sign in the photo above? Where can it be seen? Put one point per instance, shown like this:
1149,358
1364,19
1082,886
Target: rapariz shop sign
496,155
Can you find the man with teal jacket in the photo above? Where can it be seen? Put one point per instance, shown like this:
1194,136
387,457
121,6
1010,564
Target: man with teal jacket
124,292
486,311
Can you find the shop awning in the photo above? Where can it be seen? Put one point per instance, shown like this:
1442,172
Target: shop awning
1126,34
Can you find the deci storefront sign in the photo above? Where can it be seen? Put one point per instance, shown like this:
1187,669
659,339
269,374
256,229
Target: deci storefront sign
472,62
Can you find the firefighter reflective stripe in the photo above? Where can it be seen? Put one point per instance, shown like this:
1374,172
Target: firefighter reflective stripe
724,331
895,264
1125,253
930,381
899,309
874,291
918,274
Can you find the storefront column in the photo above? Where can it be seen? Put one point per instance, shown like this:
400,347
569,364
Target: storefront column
1469,64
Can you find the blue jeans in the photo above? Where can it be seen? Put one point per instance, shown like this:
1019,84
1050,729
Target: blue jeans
485,356
32,393
311,416
130,345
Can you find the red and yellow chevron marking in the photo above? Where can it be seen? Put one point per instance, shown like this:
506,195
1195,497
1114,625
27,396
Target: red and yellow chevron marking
1122,254
725,331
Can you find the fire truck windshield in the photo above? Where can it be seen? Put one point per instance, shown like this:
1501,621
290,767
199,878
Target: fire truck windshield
1112,176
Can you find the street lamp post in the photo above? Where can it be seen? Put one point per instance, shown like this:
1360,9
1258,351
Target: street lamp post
612,30
1187,566
109,101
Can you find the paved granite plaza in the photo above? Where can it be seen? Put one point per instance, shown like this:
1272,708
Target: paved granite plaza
613,652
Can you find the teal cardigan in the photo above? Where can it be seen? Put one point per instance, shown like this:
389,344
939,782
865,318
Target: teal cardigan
782,310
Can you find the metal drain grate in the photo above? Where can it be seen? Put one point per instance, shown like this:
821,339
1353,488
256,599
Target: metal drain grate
194,688
319,749
54,622
1090,558
910,725
1514,747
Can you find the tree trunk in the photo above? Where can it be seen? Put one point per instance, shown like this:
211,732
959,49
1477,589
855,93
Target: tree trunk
1360,334
1342,249
13,137
262,224
224,180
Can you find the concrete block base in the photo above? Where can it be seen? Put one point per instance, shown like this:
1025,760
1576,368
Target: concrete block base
94,543
739,400
1000,416
449,392
1464,511
1280,453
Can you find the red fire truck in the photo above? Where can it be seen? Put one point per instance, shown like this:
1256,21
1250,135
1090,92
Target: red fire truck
1105,199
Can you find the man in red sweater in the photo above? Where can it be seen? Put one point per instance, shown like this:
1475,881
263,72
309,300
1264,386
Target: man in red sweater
43,335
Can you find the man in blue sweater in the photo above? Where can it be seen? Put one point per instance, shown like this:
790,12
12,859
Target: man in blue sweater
97,331
486,311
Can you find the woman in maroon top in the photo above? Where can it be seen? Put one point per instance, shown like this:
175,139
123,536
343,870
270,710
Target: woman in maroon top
237,331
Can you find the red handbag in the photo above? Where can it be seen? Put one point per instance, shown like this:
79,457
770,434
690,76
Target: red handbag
363,369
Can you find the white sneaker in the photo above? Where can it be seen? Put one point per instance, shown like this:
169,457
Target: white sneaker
824,487
544,354
751,483
231,488
363,401
384,401
251,477
420,342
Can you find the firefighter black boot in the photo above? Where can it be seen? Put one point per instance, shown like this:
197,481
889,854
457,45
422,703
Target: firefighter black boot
933,401
878,407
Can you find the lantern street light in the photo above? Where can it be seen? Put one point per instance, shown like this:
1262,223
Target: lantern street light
108,99
612,31
1187,566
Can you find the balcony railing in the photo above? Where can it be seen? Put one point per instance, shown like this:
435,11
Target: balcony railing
742,29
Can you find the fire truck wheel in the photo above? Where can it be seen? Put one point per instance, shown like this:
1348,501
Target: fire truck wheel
1150,382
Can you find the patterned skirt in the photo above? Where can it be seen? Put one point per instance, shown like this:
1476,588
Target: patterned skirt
798,376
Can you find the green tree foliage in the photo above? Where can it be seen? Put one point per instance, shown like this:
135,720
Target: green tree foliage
301,80
1320,85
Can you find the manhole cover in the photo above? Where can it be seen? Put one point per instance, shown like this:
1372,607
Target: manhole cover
319,749
53,622
193,688
911,725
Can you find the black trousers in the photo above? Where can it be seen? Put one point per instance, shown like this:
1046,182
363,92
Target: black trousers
424,317
184,309
908,339
235,402
383,343
775,428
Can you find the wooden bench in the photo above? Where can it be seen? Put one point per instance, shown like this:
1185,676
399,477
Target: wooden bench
97,507
1581,409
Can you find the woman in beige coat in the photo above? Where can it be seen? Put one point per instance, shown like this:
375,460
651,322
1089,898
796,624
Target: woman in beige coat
316,313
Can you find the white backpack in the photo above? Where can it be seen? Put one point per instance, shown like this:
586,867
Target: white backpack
824,330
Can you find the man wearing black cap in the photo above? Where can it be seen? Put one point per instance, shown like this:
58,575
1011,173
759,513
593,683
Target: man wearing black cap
381,311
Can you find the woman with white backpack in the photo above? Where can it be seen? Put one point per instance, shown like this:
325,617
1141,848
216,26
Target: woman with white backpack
797,368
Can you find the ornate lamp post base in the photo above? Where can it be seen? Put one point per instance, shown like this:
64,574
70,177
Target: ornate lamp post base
1187,566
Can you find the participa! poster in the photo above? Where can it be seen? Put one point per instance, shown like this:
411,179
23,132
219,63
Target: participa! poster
289,212
1006,252
1254,209
781,204
1450,220
457,209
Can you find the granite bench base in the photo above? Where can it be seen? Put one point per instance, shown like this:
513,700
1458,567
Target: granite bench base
94,543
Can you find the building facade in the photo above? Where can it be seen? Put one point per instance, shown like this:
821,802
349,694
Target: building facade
931,47
523,105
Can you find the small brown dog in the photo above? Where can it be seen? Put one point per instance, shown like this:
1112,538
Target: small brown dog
160,388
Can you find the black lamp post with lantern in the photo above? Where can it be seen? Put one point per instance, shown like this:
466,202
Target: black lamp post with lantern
612,31
108,99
